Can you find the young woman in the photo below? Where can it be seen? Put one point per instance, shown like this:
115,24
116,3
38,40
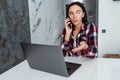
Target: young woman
79,38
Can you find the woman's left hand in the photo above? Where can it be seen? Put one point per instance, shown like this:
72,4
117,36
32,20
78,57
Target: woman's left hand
83,46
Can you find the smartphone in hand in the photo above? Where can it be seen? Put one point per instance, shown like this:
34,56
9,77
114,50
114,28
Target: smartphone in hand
71,24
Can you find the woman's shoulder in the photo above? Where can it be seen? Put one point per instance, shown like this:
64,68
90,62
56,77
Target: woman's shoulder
90,25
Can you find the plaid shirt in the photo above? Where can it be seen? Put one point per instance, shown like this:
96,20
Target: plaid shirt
89,34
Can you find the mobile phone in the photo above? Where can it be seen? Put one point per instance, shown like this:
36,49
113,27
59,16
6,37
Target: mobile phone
71,24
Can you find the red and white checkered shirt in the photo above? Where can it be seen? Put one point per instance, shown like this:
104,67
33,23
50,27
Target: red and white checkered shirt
89,34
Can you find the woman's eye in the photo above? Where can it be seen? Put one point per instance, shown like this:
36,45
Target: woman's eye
70,13
78,12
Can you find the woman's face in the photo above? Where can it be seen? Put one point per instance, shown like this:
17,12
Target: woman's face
76,14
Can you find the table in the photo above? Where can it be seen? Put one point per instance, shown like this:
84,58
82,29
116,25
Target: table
91,69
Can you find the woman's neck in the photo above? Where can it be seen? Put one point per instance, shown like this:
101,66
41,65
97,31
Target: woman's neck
77,27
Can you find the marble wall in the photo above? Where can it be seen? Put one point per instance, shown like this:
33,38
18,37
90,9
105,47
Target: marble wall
46,21
14,28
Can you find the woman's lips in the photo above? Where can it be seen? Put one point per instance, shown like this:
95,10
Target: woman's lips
74,21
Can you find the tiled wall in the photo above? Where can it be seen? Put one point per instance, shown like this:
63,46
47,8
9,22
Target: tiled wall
14,28
46,21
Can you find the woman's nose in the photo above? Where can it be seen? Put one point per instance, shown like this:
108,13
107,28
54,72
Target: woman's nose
74,15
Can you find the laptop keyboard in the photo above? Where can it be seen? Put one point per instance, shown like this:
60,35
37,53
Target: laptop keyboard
72,66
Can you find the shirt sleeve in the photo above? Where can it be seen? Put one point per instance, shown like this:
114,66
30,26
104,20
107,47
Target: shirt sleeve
92,49
64,44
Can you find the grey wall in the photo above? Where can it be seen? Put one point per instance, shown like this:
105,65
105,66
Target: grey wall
92,10
14,28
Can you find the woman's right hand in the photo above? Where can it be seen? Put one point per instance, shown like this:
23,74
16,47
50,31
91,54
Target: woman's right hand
67,28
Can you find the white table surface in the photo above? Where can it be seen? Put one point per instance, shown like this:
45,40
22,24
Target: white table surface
91,69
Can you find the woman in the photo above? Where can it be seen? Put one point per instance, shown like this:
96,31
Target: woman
81,38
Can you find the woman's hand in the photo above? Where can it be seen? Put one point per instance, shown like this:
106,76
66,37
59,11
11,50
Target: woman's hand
83,46
67,28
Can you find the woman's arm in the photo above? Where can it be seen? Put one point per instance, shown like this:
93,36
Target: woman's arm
92,49
65,45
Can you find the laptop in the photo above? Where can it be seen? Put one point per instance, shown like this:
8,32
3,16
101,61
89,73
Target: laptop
48,58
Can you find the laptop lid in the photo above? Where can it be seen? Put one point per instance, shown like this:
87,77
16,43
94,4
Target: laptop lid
46,58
